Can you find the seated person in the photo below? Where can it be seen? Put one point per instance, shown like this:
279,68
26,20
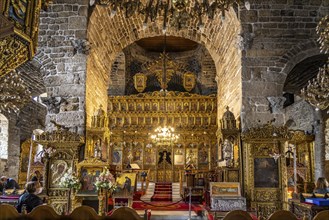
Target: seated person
1,187
29,199
322,186
9,183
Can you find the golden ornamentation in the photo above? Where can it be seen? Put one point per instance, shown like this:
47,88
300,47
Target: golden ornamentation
189,81
14,53
259,145
317,90
178,13
58,137
266,195
14,94
132,118
163,65
264,150
99,119
300,137
140,82
264,210
323,31
267,131
20,45
24,161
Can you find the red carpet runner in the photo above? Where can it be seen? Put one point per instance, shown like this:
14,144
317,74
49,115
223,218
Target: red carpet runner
162,192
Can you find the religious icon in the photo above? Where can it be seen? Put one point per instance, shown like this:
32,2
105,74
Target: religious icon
164,156
58,169
189,81
117,157
140,82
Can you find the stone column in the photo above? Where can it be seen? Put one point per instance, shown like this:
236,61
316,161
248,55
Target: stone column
319,145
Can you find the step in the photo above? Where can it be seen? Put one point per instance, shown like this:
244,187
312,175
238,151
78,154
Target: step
170,215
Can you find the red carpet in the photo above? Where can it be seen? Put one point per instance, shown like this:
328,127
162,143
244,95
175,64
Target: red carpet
162,192
164,206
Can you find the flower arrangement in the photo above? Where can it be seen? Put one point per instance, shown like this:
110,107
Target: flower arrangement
105,180
69,180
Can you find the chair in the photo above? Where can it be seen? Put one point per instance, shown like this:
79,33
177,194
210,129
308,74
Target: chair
124,213
282,214
323,215
237,214
8,212
84,213
42,212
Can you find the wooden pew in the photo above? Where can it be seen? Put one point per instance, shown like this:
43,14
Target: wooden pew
84,213
124,213
237,214
8,212
323,215
43,212
282,215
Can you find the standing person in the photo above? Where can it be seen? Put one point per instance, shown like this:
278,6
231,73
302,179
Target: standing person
322,186
29,199
127,185
37,177
9,183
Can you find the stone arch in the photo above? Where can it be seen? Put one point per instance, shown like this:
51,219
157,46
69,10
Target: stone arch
297,54
4,133
108,36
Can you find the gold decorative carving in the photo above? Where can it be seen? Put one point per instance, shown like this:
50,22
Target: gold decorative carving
14,52
298,137
189,81
58,137
24,161
266,195
18,40
131,118
157,67
140,82
267,131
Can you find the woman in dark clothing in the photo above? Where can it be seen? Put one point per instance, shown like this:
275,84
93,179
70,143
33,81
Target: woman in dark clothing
29,199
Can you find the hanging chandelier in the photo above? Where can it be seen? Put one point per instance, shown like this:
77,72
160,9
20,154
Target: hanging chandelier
323,31
317,90
164,135
178,13
14,94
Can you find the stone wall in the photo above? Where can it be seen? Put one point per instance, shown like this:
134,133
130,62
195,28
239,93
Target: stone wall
276,36
228,66
31,117
327,149
117,76
197,61
4,123
21,126
61,52
109,35
300,116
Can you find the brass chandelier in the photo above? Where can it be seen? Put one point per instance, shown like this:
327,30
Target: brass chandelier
323,31
164,135
178,13
317,90
14,94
